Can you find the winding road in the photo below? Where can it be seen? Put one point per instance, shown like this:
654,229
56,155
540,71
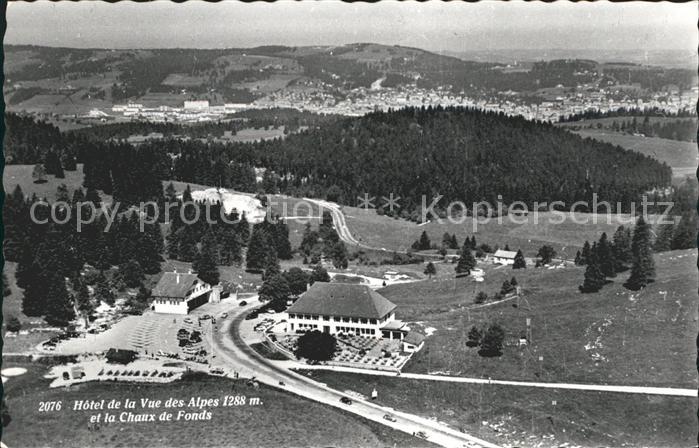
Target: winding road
238,356
346,236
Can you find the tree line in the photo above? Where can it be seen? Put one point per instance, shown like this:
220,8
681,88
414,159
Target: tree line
462,154
604,259
51,258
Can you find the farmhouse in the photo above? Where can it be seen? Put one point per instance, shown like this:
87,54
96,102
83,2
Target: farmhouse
504,257
179,293
345,308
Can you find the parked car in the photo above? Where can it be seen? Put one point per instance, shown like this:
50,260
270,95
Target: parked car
243,303
345,400
389,417
207,316
420,434
216,371
224,315
187,320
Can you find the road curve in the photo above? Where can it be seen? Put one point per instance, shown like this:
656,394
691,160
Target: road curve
346,236
231,349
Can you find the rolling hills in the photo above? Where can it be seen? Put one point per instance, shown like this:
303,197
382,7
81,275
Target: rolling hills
72,81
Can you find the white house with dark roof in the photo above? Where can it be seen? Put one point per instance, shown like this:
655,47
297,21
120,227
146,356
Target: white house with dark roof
345,308
413,341
179,293
504,257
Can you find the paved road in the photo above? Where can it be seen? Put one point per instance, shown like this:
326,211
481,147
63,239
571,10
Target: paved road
671,391
345,234
238,356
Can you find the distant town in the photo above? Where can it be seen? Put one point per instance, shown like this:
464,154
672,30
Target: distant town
363,100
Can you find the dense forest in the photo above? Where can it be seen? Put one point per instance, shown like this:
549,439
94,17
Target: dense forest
459,153
462,154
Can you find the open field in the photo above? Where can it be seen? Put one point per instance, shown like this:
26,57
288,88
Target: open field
281,419
680,156
608,122
614,336
528,417
255,135
528,233
22,175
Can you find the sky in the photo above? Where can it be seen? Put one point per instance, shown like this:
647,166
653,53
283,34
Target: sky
435,26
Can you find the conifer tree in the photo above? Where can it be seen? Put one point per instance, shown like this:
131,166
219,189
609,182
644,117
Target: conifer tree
585,254
520,262
258,249
103,291
271,264
78,196
424,243
59,309
206,261
243,228
685,233
430,270
82,299
170,193
622,247
308,240
664,237
605,257
594,278
230,245
35,294
467,261
339,256
283,246
187,247
643,267
446,240
91,195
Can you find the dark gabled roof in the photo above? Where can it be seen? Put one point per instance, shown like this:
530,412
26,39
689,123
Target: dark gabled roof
342,299
174,284
414,338
505,253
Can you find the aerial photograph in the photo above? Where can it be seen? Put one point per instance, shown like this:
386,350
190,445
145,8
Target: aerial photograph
350,224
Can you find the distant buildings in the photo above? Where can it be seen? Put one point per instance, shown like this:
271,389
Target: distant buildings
360,101
196,106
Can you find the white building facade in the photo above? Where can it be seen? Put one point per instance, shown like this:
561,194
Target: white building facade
341,308
178,293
